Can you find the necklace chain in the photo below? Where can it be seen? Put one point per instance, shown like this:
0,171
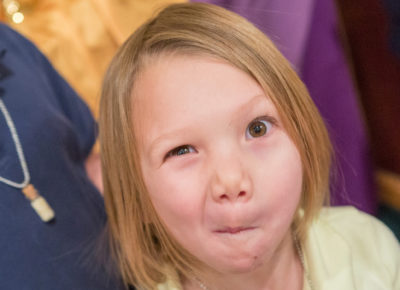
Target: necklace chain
301,256
18,147
38,202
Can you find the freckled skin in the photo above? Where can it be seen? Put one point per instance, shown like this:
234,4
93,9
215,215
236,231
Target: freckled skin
230,201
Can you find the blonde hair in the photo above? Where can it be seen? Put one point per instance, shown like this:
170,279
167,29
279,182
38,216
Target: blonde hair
141,244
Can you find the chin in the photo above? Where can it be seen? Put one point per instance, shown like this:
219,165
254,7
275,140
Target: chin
239,262
245,255
241,265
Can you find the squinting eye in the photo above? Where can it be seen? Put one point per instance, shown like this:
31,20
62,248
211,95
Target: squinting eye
258,128
184,149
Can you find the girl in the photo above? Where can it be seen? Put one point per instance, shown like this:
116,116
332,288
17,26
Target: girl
216,166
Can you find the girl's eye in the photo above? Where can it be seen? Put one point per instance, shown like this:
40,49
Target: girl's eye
181,150
258,128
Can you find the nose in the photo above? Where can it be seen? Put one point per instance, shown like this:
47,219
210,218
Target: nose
230,181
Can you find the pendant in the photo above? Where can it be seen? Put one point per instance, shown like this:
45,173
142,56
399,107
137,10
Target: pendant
38,203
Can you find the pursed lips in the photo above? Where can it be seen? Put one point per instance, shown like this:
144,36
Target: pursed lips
233,230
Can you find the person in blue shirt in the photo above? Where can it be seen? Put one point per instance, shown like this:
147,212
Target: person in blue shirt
55,132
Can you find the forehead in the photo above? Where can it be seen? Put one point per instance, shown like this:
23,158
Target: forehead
182,73
182,82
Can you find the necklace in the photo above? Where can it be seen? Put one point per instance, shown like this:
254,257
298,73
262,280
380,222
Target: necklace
38,203
303,264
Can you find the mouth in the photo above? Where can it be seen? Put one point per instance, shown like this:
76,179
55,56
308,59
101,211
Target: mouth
234,230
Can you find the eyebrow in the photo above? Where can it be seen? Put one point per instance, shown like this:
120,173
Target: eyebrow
165,138
248,106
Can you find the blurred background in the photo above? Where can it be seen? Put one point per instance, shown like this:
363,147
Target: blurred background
347,53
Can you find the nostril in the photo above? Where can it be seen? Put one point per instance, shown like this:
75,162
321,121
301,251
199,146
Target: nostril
242,193
233,197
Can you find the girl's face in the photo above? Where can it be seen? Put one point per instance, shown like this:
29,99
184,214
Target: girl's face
221,171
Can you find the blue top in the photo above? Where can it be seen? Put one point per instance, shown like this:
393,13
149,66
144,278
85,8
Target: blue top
57,132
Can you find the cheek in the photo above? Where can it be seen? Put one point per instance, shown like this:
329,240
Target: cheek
176,197
280,176
290,178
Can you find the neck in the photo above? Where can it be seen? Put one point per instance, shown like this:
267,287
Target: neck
282,270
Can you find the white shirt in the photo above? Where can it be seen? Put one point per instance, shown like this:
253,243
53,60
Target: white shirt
350,250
